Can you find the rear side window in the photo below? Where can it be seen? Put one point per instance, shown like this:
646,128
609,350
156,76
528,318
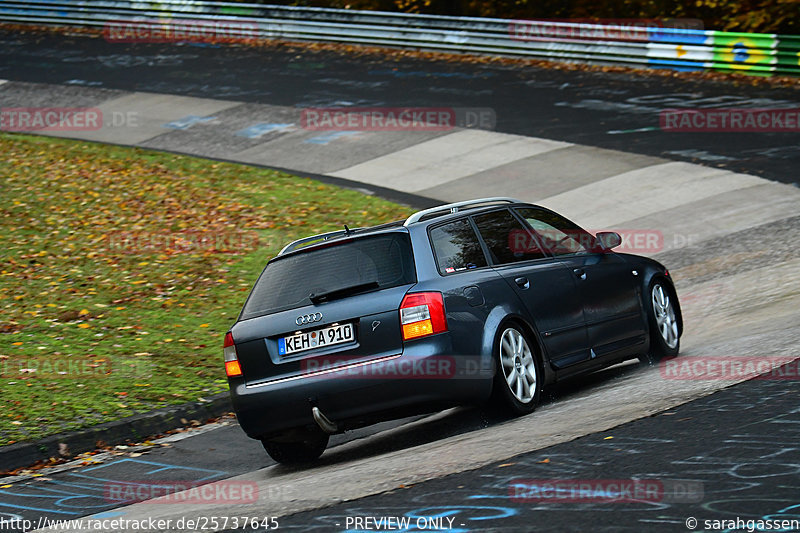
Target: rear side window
456,247
374,263
507,239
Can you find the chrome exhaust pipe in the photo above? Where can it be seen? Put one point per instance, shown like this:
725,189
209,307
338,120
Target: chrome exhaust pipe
324,422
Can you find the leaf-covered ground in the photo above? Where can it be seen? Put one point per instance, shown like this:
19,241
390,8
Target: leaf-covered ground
121,269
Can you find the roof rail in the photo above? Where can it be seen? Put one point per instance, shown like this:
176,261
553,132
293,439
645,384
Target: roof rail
321,237
453,208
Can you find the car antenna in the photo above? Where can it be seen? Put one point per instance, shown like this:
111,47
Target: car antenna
346,230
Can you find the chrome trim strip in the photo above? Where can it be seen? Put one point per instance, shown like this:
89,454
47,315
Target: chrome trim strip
321,372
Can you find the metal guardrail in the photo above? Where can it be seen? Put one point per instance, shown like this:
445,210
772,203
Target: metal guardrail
658,47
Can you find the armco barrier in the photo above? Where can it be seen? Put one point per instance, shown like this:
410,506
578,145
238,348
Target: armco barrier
658,47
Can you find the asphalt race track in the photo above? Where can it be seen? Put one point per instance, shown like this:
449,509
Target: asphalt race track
745,468
596,109
725,206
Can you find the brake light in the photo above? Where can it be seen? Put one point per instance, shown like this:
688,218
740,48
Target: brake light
233,369
232,366
422,314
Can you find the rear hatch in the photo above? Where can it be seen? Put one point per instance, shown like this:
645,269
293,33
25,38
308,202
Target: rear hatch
326,306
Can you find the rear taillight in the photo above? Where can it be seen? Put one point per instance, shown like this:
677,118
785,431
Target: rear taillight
422,314
232,367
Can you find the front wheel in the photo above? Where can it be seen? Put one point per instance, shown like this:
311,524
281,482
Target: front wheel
303,448
663,321
517,382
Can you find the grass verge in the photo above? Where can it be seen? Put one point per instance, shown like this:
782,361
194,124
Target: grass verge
122,269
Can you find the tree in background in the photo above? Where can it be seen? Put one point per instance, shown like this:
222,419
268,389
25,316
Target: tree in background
761,16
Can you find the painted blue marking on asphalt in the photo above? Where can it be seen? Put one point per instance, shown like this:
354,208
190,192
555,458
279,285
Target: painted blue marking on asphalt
499,512
187,122
331,136
108,514
59,498
160,468
28,508
256,131
86,489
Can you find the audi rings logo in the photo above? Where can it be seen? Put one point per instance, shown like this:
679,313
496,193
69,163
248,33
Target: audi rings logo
308,319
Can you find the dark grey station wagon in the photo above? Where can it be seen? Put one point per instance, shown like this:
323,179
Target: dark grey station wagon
485,299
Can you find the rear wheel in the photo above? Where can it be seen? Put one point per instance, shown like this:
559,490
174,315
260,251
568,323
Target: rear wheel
300,448
664,332
518,382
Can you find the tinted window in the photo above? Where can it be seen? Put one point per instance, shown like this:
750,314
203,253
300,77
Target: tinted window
288,282
456,247
507,239
558,234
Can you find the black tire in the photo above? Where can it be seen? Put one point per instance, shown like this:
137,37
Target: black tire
516,388
662,319
304,447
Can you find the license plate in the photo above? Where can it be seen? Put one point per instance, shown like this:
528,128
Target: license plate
318,338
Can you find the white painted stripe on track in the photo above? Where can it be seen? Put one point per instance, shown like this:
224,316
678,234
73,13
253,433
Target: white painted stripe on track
720,215
647,190
446,158
137,117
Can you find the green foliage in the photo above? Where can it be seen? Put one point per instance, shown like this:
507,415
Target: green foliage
759,16
95,327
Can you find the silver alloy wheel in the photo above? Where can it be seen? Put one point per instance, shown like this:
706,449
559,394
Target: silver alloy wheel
665,316
519,368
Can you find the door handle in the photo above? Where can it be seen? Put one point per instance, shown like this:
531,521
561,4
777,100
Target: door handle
522,282
580,273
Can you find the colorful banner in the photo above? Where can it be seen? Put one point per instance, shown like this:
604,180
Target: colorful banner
744,51
659,42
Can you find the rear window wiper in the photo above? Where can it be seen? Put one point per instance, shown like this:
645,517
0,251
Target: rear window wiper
341,293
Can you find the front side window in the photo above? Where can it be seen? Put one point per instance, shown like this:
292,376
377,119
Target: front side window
456,247
507,239
558,234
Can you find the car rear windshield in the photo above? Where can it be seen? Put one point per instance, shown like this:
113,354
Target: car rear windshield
359,265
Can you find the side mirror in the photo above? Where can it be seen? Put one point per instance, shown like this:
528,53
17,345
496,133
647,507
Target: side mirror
609,239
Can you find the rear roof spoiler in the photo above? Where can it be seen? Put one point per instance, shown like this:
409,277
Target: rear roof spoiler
321,237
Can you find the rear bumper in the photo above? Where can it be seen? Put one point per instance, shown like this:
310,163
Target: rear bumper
422,378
